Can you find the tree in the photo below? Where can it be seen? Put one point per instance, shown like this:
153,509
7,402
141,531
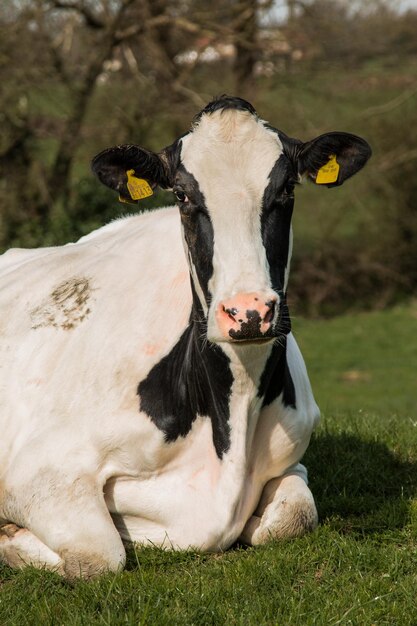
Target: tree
72,42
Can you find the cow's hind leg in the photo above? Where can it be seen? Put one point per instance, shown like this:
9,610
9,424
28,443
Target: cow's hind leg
19,547
286,509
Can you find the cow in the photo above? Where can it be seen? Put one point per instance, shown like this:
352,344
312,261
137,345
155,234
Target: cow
157,397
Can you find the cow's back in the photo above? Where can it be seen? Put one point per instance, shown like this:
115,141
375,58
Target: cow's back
83,323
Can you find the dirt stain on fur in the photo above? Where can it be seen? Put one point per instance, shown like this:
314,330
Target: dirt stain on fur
65,307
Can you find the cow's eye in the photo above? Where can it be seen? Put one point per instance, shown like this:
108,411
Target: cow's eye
181,196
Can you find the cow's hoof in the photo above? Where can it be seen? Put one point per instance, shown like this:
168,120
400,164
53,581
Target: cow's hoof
286,510
286,517
8,531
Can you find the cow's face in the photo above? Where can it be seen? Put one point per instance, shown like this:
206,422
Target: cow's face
234,177
234,187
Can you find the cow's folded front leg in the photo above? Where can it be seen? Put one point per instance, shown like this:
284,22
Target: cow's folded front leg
66,528
286,509
19,547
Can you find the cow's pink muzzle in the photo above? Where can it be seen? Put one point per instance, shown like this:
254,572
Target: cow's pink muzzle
246,316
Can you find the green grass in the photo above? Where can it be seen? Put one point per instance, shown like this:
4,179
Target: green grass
363,363
358,568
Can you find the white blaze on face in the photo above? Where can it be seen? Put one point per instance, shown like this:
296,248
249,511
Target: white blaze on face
231,154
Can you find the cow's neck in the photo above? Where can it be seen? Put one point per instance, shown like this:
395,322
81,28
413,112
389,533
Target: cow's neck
227,384
259,377
256,374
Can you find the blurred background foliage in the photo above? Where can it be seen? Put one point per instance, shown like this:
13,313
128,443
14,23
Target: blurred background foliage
80,75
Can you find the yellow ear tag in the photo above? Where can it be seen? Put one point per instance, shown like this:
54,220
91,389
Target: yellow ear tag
329,172
138,187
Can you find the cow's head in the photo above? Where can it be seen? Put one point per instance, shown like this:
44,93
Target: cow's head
234,176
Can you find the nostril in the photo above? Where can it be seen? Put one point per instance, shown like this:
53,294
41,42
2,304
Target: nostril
231,312
270,313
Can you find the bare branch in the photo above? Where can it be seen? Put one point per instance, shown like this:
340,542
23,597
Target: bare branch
59,65
394,159
389,106
192,95
157,22
90,18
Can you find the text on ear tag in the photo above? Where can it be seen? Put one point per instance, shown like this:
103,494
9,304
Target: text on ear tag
138,187
329,172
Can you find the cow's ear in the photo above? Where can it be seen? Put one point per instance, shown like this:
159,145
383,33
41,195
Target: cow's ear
332,158
132,171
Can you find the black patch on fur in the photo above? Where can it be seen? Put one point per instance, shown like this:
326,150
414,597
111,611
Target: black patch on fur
290,145
224,102
171,157
198,228
277,206
193,379
276,377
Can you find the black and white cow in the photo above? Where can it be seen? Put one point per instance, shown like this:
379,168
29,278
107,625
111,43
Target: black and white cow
158,397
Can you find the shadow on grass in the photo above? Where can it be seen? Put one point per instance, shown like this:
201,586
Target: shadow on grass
358,483
360,486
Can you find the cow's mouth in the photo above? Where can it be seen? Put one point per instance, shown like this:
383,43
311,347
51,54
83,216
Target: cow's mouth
253,340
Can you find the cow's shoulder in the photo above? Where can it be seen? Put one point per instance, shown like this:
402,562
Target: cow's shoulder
148,229
100,279
151,239
146,224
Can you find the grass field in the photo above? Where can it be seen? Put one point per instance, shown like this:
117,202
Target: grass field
359,567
